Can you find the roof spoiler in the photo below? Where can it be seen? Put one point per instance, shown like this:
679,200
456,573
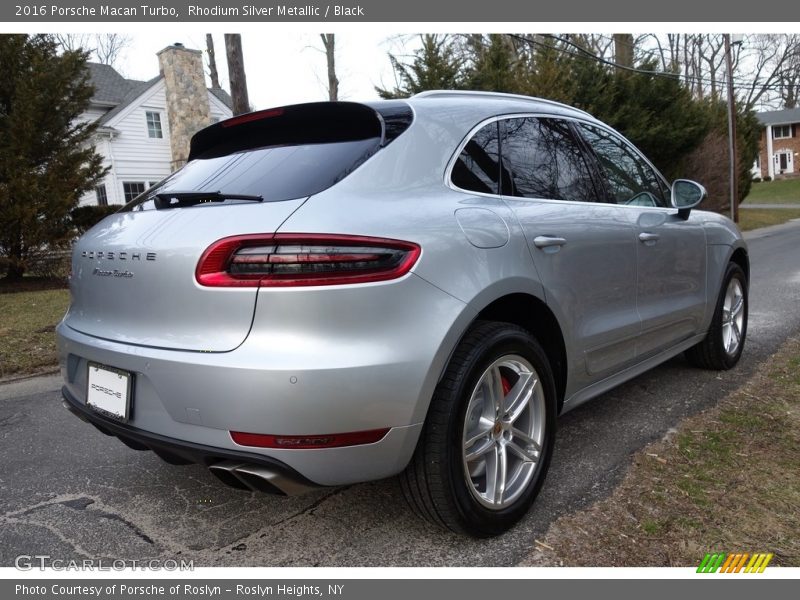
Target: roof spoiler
311,123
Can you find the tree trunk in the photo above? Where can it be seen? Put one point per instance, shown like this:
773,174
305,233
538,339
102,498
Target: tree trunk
212,61
238,80
14,272
329,42
623,49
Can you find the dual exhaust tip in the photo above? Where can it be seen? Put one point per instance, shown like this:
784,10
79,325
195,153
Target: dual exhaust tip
257,478
237,474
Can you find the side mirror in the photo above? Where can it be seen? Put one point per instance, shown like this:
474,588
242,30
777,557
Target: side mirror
687,194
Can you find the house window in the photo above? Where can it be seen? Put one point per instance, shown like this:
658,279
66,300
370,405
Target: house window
154,124
102,197
131,189
781,132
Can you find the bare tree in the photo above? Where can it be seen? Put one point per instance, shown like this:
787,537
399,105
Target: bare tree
109,47
212,61
236,74
105,48
329,43
69,42
771,58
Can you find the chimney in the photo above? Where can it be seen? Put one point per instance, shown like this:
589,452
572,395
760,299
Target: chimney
187,98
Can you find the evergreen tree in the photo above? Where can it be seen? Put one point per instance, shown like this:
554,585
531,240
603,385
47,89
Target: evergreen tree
496,66
46,158
437,65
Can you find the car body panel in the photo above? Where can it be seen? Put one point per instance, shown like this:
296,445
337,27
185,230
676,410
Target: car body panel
133,277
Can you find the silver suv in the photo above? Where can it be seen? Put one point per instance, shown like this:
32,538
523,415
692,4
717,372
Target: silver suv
332,293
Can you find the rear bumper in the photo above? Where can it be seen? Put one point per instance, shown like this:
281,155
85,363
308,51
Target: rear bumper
283,479
368,360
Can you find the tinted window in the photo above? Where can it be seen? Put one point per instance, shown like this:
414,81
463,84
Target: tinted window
275,174
478,166
629,178
543,160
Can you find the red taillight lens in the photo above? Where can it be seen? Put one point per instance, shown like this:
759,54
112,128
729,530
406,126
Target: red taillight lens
302,260
299,442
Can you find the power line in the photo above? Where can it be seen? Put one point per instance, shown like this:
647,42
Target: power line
583,53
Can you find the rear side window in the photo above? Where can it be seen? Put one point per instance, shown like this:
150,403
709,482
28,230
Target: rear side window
477,168
629,178
543,160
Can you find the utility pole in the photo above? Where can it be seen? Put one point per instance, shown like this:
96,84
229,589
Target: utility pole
734,178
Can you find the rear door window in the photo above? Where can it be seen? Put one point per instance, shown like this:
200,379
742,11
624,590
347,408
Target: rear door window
543,159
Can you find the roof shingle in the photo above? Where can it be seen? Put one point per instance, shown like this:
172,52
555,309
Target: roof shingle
112,89
774,117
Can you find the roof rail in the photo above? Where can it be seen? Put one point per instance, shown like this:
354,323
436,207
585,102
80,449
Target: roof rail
434,93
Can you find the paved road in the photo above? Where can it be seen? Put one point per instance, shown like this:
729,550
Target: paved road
70,492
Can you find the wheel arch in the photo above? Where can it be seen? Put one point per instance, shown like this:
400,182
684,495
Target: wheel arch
532,314
741,258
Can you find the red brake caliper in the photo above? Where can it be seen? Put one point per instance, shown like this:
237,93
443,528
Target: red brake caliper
506,385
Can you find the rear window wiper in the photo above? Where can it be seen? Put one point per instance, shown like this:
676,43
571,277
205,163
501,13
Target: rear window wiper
183,199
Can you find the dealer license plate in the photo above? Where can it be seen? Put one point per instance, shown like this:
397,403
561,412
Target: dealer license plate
109,391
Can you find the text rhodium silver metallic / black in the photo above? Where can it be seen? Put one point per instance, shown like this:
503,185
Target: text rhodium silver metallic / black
421,288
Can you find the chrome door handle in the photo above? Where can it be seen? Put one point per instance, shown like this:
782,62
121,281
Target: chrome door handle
649,237
545,241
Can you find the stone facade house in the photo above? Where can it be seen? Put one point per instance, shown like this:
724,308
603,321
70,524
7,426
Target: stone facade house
145,126
779,148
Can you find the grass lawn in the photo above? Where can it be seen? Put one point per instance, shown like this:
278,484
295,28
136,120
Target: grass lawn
753,218
27,330
725,481
783,191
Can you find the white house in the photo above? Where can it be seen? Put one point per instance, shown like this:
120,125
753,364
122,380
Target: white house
145,126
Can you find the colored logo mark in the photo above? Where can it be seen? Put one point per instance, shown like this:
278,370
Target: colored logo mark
735,563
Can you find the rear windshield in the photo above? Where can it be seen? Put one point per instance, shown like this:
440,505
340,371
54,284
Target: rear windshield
277,154
266,174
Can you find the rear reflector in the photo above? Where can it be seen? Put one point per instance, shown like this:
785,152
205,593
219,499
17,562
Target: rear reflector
299,442
287,259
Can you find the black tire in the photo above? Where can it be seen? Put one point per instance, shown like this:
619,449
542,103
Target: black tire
435,483
711,353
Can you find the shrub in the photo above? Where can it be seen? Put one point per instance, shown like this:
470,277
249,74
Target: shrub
85,217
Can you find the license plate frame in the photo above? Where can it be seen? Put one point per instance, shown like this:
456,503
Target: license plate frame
109,391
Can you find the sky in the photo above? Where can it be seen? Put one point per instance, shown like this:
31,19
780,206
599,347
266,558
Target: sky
283,68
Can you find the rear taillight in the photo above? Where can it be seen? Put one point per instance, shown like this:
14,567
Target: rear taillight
287,259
